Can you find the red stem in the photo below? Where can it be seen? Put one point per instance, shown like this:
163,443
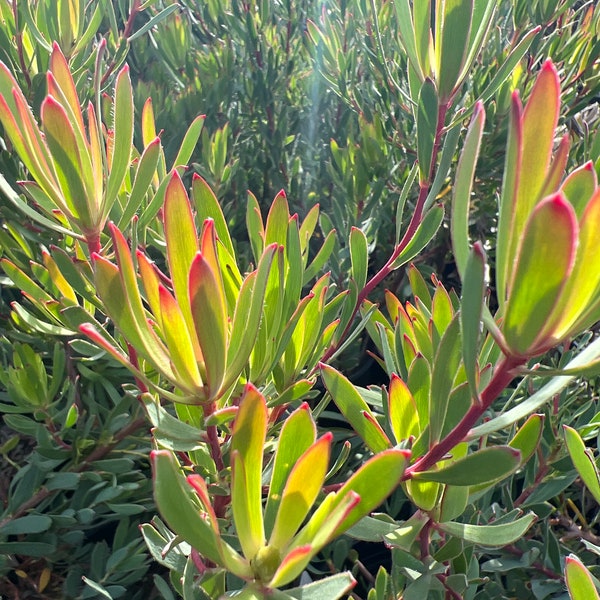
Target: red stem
503,375
415,221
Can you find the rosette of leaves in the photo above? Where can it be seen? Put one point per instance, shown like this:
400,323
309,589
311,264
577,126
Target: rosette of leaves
277,539
547,271
206,327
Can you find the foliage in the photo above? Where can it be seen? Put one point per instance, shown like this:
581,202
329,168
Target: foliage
181,356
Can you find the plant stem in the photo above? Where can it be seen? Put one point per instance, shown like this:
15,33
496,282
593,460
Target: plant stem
503,375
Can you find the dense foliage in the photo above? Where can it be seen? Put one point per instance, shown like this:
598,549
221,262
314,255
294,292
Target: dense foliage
299,299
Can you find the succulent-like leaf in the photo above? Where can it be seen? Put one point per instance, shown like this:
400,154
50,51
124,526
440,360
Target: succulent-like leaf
583,460
462,189
445,367
427,123
479,467
304,483
470,314
453,28
545,260
579,580
123,138
353,407
490,535
297,435
359,256
248,438
210,320
403,414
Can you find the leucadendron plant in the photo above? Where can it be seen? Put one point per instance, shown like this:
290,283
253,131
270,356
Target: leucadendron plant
235,346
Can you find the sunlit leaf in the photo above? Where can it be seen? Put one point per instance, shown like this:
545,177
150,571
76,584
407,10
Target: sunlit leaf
479,467
248,438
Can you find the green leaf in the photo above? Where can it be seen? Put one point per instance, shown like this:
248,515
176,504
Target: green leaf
248,438
247,316
445,367
528,436
189,141
182,514
373,482
463,185
208,207
210,321
485,465
403,414
406,30
427,229
277,221
543,395
473,293
579,580
490,535
544,262
182,241
303,485
143,178
427,123
26,525
454,25
359,256
66,153
297,435
354,409
583,460
123,138
332,588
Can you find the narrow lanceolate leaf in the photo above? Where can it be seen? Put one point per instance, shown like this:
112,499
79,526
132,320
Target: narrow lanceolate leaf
124,303
544,263
144,174
248,438
297,435
427,122
540,119
580,186
277,221
62,143
404,417
490,535
424,234
247,316
507,238
451,49
479,467
445,368
209,314
176,506
581,290
61,73
301,490
373,483
579,580
354,408
189,141
208,207
527,438
462,189
182,244
123,137
584,462
406,30
178,340
470,314
359,256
